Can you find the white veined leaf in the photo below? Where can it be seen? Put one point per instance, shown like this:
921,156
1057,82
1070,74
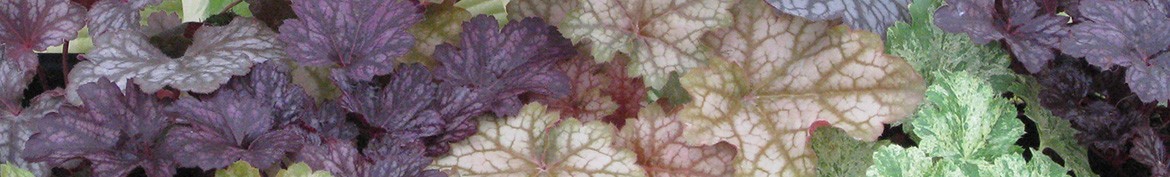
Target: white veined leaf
534,143
16,127
778,75
216,54
660,36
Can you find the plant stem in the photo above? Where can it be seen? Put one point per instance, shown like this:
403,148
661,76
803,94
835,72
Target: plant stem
230,6
65,59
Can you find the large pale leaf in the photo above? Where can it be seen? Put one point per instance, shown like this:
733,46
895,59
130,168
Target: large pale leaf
660,36
534,143
657,139
966,119
16,127
217,54
869,15
778,75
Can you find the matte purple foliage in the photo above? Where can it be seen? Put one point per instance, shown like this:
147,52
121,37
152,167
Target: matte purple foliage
519,59
389,157
362,37
230,127
1030,31
403,108
116,131
270,83
1129,34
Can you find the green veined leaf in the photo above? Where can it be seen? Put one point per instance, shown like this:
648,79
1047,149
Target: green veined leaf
534,143
778,75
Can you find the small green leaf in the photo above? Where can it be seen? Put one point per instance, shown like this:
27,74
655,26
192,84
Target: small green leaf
837,152
495,8
302,170
13,171
238,169
893,160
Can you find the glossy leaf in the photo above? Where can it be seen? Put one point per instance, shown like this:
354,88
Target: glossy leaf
534,143
658,40
363,38
779,75
869,15
216,54
657,139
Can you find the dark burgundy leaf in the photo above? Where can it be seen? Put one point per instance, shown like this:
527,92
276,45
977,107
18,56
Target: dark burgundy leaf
116,131
272,12
363,37
1030,31
401,108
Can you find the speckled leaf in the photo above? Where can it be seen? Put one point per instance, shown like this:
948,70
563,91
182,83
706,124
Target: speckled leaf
869,15
301,170
495,8
657,139
238,169
216,54
778,75
841,155
1054,132
108,16
893,160
364,38
931,50
33,25
660,36
533,143
16,128
966,119
443,24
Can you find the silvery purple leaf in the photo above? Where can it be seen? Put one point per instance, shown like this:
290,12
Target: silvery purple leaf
869,15
16,127
402,108
32,25
363,38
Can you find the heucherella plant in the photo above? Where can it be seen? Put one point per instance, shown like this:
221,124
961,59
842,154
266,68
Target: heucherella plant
777,76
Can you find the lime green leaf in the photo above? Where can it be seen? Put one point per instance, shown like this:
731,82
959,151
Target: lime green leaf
167,6
837,153
776,75
198,10
965,118
657,139
238,169
495,8
302,170
13,171
893,160
1014,165
443,24
660,36
534,143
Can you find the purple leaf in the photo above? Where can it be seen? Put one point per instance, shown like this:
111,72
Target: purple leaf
230,127
363,37
30,25
1030,31
503,64
112,15
339,157
384,157
13,81
116,131
328,121
401,108
1129,34
16,127
270,83
1149,149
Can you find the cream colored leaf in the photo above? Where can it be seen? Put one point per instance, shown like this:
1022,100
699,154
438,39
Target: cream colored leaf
657,139
533,144
660,36
778,75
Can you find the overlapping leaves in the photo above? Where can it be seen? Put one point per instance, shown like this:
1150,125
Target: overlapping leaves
870,15
657,139
659,36
779,75
216,54
1030,31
